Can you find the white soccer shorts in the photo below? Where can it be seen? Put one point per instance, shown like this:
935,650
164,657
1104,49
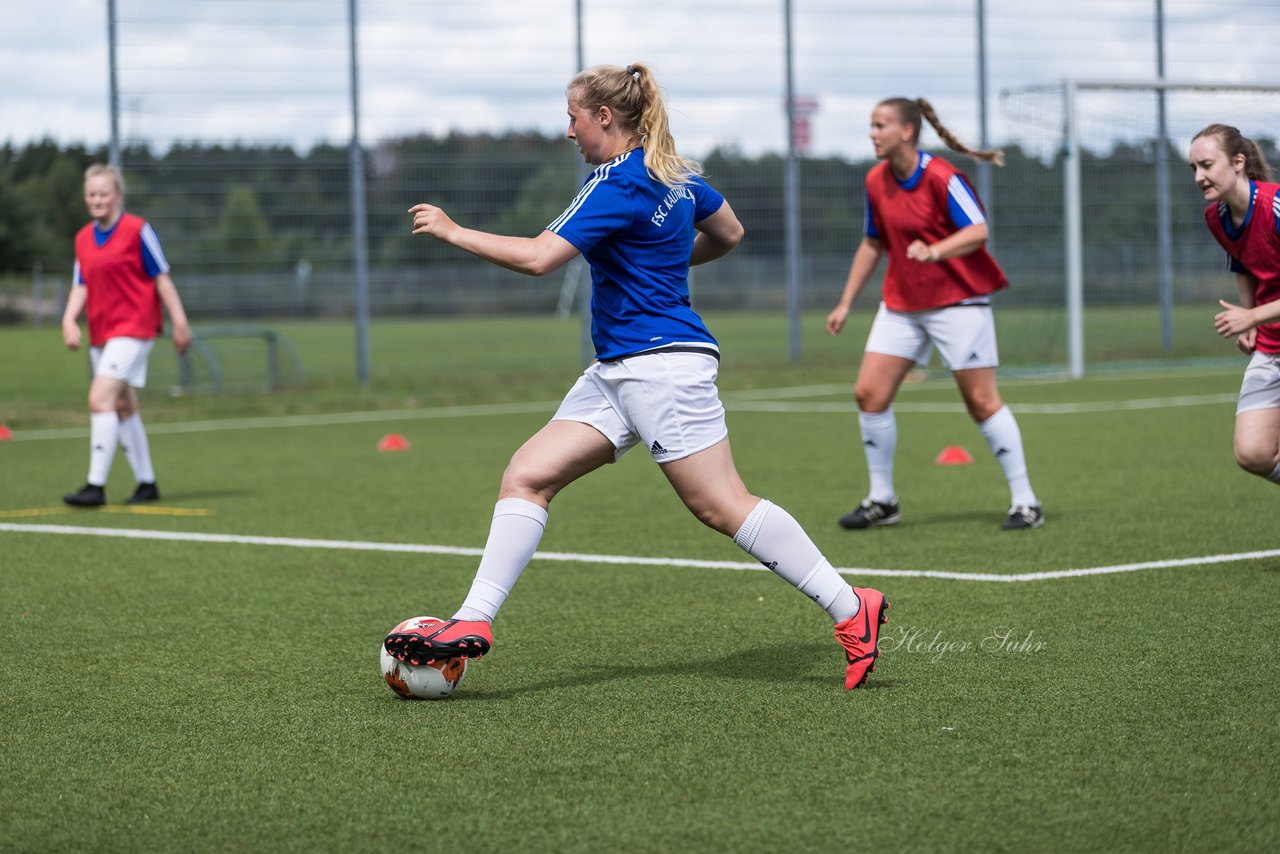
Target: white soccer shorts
123,359
667,401
965,335
1261,386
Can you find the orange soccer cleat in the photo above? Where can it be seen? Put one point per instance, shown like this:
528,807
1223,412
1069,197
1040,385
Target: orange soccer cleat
424,640
860,634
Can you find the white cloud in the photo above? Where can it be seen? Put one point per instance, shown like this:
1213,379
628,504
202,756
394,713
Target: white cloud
252,71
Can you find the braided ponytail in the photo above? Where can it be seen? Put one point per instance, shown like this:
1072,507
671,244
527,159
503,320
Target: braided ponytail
910,111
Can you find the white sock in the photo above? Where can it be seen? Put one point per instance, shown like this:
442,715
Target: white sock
133,438
879,440
104,432
513,538
1274,477
773,537
1005,441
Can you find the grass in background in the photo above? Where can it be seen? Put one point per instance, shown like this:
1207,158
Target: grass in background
190,696
477,360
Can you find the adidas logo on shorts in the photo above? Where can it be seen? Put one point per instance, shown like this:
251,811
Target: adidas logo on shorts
657,450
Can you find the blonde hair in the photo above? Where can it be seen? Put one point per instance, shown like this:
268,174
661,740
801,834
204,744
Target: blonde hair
112,172
910,111
633,95
1231,141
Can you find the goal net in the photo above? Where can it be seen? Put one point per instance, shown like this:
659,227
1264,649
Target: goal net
237,358
1106,224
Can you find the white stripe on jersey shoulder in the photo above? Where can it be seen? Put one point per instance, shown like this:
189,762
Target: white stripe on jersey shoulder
925,159
76,281
963,196
153,246
600,174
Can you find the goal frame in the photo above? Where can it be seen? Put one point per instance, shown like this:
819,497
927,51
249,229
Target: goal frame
1071,88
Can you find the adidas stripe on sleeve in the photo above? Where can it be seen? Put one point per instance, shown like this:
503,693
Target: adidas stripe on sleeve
153,259
962,204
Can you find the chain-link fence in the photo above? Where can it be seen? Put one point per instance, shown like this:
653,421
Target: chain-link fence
235,118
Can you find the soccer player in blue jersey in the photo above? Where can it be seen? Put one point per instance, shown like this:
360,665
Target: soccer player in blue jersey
640,220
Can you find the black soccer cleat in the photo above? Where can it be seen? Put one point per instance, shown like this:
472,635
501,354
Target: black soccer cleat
1023,517
88,496
870,514
144,492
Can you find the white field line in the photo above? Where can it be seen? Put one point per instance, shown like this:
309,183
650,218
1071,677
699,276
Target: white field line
738,402
620,560
845,407
319,420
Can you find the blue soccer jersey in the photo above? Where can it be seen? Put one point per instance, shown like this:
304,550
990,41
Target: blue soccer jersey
637,235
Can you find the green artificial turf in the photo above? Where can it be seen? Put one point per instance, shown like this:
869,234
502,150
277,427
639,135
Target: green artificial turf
177,695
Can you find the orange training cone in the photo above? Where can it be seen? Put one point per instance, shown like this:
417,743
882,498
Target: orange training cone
5,433
393,442
954,455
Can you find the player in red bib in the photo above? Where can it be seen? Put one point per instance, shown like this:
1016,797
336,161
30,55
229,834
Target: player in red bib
922,213
1243,215
122,277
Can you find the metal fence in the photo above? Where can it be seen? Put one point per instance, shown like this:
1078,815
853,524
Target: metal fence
235,122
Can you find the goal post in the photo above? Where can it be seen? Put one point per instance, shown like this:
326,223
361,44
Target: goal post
1093,114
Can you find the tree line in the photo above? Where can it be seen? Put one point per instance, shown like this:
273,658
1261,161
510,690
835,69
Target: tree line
269,208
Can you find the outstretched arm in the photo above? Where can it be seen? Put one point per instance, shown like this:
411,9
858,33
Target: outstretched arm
864,264
533,256
717,236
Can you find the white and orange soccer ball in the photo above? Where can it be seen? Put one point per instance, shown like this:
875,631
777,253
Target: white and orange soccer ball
434,681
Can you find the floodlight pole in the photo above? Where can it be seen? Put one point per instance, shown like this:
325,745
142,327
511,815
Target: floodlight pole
578,267
1074,243
1164,219
359,225
984,168
791,192
113,151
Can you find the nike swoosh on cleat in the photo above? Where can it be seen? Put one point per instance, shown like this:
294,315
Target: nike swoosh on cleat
866,633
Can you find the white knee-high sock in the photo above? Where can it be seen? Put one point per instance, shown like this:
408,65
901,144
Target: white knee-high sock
133,438
773,537
104,432
1005,440
1274,477
513,538
879,440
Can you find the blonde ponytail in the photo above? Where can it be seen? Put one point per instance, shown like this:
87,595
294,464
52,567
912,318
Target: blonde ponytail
632,93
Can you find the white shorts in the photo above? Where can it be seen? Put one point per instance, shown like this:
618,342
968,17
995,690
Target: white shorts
123,359
667,401
1261,386
965,335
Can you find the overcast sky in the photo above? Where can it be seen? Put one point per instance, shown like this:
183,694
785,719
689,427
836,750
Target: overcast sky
277,70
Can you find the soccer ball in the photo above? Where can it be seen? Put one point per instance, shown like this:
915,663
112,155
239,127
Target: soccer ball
434,681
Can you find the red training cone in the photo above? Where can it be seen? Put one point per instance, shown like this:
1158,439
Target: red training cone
5,433
393,442
953,455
